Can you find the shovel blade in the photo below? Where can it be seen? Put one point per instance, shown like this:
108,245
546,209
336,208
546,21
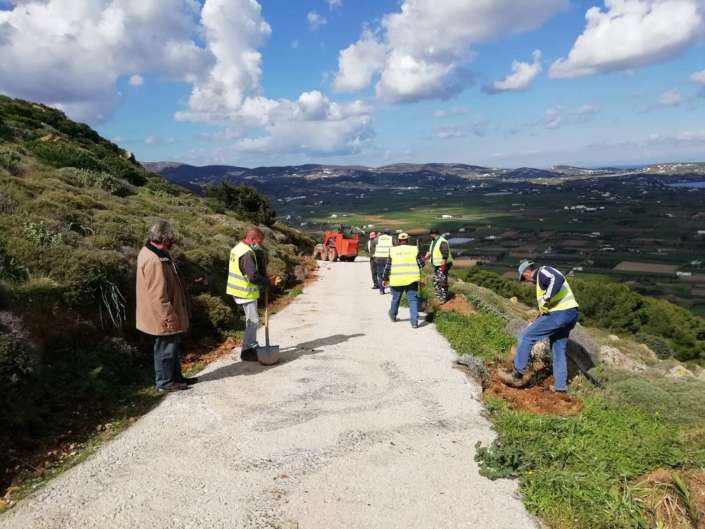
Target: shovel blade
268,355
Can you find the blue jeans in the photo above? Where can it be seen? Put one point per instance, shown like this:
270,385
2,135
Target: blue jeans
381,265
167,364
411,297
555,326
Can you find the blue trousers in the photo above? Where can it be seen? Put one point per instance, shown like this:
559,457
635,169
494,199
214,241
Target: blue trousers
167,362
555,326
381,265
411,297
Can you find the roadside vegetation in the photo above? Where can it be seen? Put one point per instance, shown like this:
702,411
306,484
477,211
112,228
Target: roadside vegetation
74,210
628,455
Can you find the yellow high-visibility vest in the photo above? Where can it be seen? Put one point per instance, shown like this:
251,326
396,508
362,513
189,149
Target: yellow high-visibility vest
384,244
405,269
563,300
436,255
238,284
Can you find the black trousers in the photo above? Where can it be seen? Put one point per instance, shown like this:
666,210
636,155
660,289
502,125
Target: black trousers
373,271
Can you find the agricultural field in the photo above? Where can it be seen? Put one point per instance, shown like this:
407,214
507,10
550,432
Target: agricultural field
639,231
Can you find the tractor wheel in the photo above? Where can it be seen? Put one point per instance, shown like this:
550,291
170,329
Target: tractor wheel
332,254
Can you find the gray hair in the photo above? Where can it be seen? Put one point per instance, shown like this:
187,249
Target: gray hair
160,231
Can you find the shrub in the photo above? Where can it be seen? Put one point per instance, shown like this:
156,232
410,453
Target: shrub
10,161
10,268
104,181
41,235
211,314
244,201
658,345
64,154
16,363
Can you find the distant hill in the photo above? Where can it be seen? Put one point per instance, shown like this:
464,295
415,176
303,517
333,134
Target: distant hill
427,175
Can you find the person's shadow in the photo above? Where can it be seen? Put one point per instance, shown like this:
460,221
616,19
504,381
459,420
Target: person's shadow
287,354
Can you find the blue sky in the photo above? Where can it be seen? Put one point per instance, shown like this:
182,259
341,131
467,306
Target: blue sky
369,82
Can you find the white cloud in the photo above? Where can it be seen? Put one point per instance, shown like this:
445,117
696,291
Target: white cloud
136,80
586,109
698,77
671,98
428,43
523,73
449,133
553,118
311,125
447,113
231,94
629,34
359,62
315,20
71,54
333,4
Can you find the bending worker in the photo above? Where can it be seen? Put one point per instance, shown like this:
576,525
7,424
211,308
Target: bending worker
442,261
385,243
245,280
371,247
558,314
404,274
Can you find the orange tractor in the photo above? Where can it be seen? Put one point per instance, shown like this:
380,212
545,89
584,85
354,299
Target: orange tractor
342,244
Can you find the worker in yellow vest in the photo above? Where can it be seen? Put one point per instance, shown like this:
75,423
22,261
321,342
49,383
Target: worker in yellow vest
385,243
558,314
403,271
245,280
441,259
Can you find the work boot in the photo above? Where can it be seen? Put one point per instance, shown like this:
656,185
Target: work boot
559,391
392,316
249,355
515,379
414,325
173,386
189,381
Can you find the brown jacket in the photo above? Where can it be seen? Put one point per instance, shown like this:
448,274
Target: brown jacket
161,300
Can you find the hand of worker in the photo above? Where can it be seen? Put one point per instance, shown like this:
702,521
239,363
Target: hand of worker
275,280
543,309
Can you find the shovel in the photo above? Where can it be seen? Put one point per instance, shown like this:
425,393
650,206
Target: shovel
269,354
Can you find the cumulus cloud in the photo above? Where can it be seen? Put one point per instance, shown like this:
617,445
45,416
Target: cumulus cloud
428,43
136,80
523,73
315,20
312,125
359,62
629,34
698,77
69,54
333,4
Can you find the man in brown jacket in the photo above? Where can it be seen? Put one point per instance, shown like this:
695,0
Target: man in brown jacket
162,311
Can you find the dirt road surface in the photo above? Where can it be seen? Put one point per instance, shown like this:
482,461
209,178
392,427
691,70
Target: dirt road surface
364,425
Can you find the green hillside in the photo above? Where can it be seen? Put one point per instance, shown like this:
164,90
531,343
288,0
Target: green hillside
74,211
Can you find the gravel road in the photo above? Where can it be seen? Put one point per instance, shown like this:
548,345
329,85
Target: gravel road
366,424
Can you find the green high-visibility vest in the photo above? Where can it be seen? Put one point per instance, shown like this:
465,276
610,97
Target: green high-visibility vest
238,284
563,300
405,270
384,244
436,255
